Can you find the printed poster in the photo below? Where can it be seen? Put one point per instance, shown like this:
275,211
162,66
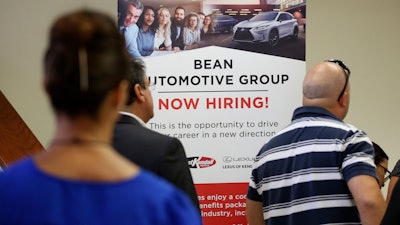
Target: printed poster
228,95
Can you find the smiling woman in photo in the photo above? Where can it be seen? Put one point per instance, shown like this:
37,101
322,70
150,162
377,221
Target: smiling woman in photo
162,39
147,28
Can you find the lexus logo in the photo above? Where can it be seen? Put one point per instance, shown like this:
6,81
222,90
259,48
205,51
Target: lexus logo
229,159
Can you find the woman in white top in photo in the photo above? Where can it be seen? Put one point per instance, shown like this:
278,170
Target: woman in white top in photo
162,39
191,32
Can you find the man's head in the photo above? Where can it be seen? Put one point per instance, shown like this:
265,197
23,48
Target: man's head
134,9
140,100
326,85
179,14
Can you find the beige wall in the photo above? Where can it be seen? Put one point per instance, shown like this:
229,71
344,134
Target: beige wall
364,33
24,26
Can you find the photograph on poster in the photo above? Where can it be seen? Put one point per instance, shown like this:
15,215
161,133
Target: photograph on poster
167,27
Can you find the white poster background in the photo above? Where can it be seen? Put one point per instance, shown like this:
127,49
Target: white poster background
225,153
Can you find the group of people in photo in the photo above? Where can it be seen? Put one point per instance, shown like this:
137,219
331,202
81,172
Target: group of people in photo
160,29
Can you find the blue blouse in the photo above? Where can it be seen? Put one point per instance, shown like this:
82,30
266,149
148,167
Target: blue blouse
30,196
145,41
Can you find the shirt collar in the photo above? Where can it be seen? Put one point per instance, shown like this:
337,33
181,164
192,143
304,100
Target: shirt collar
133,116
313,111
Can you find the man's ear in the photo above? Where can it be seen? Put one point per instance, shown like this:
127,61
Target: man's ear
344,100
139,92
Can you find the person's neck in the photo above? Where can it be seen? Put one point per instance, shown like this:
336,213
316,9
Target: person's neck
161,28
136,110
82,130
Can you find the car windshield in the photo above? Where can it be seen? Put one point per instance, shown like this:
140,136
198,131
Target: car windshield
269,16
220,18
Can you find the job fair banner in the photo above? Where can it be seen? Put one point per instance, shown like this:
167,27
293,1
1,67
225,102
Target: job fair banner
224,100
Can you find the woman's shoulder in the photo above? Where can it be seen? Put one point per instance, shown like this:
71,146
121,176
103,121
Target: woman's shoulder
167,200
156,186
147,178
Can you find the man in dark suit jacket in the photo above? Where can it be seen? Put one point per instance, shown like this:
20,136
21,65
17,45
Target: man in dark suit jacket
161,154
177,28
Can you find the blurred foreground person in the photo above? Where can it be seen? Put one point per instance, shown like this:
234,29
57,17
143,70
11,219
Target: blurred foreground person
81,179
319,169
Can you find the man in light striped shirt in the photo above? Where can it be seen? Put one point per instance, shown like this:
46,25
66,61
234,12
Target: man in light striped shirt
319,169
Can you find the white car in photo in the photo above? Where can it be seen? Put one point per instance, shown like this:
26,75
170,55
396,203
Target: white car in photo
266,27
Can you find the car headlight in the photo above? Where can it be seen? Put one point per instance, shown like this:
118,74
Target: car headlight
260,28
234,28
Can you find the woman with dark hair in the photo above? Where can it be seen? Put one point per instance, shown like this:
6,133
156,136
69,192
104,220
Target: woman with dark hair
147,28
207,28
81,179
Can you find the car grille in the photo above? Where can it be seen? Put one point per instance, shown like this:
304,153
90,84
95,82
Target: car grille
243,34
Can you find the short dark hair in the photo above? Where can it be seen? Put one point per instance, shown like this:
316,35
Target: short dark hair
83,44
380,155
137,75
179,7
